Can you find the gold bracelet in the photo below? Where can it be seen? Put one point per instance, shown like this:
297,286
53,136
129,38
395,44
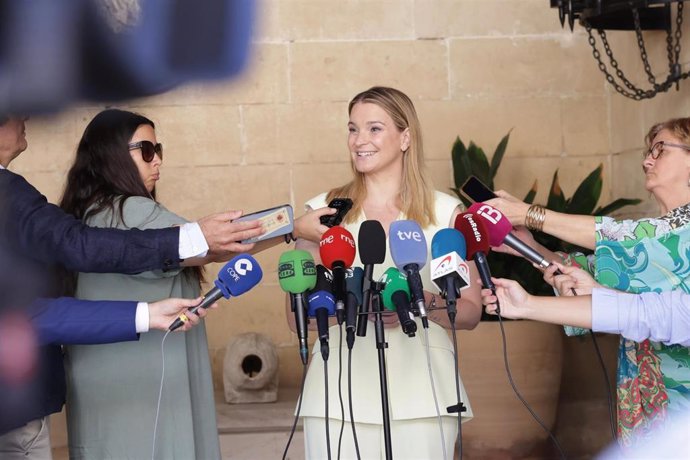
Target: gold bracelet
534,219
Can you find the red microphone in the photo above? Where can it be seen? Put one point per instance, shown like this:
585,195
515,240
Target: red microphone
477,239
337,251
499,229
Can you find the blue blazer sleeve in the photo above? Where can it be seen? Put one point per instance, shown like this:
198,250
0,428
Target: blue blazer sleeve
43,232
69,321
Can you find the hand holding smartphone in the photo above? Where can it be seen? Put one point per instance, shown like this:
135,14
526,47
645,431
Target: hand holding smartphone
475,191
343,205
275,221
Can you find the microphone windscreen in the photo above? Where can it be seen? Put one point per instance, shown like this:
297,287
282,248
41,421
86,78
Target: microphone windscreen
296,271
321,299
324,279
395,281
337,244
497,225
371,241
446,241
239,275
354,278
407,243
476,236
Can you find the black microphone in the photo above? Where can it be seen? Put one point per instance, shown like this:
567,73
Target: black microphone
371,242
353,302
322,305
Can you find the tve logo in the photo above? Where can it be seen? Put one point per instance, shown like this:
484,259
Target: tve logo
411,235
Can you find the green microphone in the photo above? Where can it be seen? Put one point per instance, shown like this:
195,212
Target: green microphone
396,297
297,275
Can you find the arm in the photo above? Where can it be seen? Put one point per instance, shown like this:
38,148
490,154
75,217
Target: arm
69,321
575,229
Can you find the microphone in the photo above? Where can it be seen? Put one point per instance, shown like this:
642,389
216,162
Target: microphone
353,301
499,229
297,275
477,239
449,271
371,241
337,250
409,251
236,277
396,297
322,305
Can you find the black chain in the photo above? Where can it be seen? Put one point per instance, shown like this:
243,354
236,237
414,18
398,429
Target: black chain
673,52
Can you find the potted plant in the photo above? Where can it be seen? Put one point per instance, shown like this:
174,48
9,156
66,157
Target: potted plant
502,428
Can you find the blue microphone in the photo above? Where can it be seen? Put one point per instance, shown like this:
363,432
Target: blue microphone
236,277
409,251
449,271
322,305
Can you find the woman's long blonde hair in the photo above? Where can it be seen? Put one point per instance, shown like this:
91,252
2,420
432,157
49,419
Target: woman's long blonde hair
416,199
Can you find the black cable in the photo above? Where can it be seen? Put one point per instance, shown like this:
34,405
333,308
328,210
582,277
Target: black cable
340,390
515,390
458,439
609,397
299,406
327,422
349,397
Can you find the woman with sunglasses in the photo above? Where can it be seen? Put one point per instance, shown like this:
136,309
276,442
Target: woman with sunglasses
113,389
635,256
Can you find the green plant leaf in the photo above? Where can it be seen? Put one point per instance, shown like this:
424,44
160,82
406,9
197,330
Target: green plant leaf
479,164
556,199
587,194
616,205
529,198
498,155
462,169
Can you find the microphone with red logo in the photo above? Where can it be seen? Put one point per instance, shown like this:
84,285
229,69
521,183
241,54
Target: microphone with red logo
337,250
449,271
499,229
477,239
236,277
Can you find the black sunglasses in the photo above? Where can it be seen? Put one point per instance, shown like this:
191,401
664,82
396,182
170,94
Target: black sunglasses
148,149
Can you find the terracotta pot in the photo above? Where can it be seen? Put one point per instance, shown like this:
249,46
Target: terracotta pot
502,427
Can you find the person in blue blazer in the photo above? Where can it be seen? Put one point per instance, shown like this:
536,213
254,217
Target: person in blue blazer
35,238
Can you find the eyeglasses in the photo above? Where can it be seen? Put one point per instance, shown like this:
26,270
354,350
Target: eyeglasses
148,149
658,148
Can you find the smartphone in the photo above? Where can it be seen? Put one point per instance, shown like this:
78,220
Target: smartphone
276,221
343,205
475,191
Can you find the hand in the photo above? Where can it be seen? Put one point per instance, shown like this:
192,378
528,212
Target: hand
223,236
309,227
512,297
164,312
572,277
512,208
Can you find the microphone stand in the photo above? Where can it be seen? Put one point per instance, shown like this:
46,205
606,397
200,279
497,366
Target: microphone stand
381,345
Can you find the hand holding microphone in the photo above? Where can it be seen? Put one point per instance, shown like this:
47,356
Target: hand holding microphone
236,277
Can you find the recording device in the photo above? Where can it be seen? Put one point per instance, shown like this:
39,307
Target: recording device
297,275
475,191
322,305
409,251
343,205
477,238
337,251
276,221
396,297
449,271
371,241
499,229
236,277
353,302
